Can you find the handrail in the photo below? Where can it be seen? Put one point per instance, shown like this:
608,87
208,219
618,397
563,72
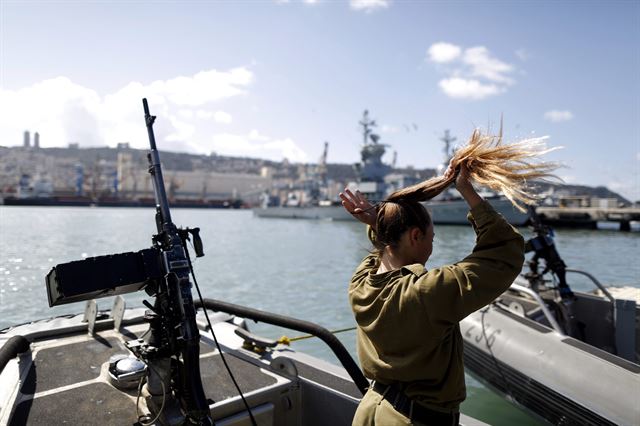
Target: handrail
596,282
543,306
294,324
12,348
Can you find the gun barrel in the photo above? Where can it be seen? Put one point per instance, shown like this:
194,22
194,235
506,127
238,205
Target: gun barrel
154,168
149,119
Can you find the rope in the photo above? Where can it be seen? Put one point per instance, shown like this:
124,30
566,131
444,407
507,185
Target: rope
287,340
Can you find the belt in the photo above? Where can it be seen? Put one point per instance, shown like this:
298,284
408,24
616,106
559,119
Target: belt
411,409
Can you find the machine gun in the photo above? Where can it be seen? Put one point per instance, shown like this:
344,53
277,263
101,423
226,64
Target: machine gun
543,246
171,349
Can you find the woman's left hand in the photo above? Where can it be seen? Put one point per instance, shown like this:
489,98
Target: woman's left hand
357,205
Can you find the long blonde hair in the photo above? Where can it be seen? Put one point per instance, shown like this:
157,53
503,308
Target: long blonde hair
506,168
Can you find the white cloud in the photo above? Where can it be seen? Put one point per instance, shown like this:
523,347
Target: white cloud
482,64
205,86
473,73
222,117
254,135
204,114
461,88
369,6
310,1
256,145
557,116
443,52
63,111
182,131
185,113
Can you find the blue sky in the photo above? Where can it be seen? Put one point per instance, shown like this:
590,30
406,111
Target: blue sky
276,79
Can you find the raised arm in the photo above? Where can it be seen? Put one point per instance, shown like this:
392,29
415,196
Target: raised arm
358,206
455,291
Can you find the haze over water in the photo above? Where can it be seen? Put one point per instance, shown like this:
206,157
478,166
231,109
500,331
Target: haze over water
297,268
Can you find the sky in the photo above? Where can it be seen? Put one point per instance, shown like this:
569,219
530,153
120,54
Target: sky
276,79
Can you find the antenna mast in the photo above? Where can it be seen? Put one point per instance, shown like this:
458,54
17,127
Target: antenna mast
366,126
448,140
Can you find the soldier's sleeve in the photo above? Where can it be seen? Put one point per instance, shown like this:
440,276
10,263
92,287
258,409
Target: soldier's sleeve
454,291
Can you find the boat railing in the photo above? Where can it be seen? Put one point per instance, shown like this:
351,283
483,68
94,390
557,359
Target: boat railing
596,282
294,324
543,306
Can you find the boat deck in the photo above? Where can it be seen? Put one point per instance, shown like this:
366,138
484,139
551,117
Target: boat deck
64,379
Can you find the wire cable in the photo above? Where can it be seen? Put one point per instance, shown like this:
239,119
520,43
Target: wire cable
164,397
215,339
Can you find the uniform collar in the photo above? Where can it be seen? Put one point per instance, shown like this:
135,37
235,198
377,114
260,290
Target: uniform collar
416,269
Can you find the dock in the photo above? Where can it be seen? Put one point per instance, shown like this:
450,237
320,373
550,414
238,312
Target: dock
588,217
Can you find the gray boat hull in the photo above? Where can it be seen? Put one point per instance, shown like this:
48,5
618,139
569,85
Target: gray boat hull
559,378
443,212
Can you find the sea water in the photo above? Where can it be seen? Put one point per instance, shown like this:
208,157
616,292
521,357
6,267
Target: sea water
298,268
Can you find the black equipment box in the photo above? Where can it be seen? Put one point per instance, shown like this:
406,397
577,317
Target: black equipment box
102,276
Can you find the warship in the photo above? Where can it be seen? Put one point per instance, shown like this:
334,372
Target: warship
448,208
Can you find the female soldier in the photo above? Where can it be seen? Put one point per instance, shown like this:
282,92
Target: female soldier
409,340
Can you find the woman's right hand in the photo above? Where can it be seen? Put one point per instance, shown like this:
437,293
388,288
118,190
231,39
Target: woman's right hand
465,187
358,206
463,180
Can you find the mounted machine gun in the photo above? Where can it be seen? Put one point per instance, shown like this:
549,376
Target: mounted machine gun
170,349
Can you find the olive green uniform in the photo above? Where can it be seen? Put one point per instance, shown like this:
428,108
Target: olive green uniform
408,329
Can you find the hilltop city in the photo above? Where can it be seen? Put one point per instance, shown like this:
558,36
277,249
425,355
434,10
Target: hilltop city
120,174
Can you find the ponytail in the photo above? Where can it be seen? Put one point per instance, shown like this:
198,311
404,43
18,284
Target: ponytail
503,168
508,169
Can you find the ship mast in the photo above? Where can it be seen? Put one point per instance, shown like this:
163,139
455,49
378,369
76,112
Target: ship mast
448,140
322,165
366,126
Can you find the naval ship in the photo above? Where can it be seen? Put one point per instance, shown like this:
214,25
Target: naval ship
448,208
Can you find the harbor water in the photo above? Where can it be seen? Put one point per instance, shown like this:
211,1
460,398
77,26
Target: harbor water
292,267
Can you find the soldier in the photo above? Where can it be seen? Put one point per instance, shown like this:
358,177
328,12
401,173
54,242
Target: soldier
409,340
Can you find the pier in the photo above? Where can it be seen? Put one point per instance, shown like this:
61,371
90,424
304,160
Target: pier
588,217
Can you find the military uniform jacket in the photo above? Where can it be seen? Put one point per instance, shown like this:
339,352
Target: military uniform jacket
407,319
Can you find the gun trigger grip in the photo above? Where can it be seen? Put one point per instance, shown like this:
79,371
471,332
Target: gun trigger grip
197,242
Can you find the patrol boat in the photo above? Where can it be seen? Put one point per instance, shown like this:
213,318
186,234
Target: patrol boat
569,357
174,362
